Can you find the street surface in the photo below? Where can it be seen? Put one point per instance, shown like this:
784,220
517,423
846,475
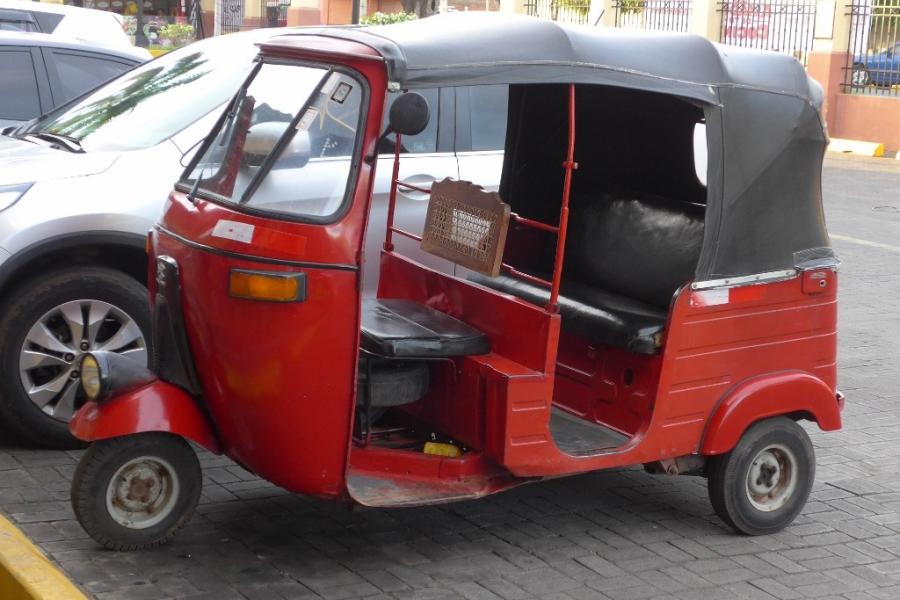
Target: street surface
619,535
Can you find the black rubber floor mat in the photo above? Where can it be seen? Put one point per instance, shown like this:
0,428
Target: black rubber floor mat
578,437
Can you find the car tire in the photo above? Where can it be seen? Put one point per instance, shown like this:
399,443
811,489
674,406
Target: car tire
763,483
860,77
135,492
39,324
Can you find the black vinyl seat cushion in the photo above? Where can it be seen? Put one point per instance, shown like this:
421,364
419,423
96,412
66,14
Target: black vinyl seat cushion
598,315
408,329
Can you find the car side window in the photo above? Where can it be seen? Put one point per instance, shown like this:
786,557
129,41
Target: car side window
488,113
19,100
10,25
423,143
17,20
79,73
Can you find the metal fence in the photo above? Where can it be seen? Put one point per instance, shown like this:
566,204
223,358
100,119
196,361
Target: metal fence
275,13
231,15
781,25
563,11
873,56
656,15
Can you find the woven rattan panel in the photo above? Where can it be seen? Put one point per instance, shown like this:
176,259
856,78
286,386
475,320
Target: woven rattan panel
466,225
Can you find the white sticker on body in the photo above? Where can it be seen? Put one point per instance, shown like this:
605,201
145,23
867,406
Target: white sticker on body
710,297
233,230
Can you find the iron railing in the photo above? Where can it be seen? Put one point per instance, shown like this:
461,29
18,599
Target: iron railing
873,55
785,26
232,15
275,13
656,15
563,11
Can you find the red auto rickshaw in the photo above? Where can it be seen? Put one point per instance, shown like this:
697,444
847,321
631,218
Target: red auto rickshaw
609,305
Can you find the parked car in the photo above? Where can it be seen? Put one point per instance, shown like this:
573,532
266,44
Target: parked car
40,72
92,26
72,244
882,68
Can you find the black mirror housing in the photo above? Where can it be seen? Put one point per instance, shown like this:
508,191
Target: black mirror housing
409,114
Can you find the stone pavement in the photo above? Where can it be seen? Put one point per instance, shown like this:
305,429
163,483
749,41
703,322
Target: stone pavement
611,535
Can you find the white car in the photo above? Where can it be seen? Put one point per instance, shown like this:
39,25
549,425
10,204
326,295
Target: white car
40,72
80,187
86,24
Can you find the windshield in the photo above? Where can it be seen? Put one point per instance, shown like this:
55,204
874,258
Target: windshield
156,100
301,120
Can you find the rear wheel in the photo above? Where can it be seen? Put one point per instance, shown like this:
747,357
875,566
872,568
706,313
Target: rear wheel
763,483
136,492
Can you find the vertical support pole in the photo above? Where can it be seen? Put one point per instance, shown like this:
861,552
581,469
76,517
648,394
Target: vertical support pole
392,201
569,165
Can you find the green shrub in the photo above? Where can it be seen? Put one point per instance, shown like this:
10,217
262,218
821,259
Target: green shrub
178,34
381,18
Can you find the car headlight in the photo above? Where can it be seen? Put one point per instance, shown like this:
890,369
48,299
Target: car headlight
107,374
10,194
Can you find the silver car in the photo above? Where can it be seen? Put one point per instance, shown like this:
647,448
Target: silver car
80,187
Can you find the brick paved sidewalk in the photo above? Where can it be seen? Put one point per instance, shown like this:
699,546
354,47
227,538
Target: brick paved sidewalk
618,535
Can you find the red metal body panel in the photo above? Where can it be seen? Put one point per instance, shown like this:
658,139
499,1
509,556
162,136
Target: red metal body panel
715,340
769,396
278,379
158,406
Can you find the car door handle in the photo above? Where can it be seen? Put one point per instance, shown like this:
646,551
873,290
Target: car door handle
419,181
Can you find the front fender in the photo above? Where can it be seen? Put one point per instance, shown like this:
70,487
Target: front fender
159,406
785,393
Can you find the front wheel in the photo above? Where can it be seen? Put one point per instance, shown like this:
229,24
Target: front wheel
763,483
46,325
135,492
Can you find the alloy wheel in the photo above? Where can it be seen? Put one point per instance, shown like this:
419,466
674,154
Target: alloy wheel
51,353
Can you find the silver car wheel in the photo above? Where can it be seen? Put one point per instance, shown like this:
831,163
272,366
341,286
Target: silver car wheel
51,353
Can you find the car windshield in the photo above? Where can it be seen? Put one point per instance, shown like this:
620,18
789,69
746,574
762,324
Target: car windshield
156,100
286,142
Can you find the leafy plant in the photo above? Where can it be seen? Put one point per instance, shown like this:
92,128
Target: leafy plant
381,18
582,7
179,34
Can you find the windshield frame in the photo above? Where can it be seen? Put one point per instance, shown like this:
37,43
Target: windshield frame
187,186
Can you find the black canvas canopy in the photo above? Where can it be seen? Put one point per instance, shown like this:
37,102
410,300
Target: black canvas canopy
765,136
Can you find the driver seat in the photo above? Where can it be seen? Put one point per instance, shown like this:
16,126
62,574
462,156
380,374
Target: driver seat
393,328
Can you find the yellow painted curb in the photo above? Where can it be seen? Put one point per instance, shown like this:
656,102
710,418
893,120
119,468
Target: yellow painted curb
856,147
26,574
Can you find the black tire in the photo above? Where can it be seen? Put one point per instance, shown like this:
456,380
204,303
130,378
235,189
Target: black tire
23,309
100,466
393,383
763,483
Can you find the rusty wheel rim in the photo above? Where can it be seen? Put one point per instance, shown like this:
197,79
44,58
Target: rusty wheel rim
142,493
772,478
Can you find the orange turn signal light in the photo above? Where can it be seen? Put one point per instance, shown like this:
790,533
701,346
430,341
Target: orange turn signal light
267,286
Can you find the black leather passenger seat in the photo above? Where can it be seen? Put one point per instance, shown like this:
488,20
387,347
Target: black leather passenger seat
626,255
407,329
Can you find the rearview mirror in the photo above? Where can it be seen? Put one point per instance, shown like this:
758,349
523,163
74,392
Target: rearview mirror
263,137
409,114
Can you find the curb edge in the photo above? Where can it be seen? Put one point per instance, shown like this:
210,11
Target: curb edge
26,573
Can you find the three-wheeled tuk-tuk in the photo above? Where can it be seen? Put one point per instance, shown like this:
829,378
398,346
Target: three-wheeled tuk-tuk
611,304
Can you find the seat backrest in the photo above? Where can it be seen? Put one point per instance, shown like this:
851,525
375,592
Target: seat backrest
640,247
466,225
